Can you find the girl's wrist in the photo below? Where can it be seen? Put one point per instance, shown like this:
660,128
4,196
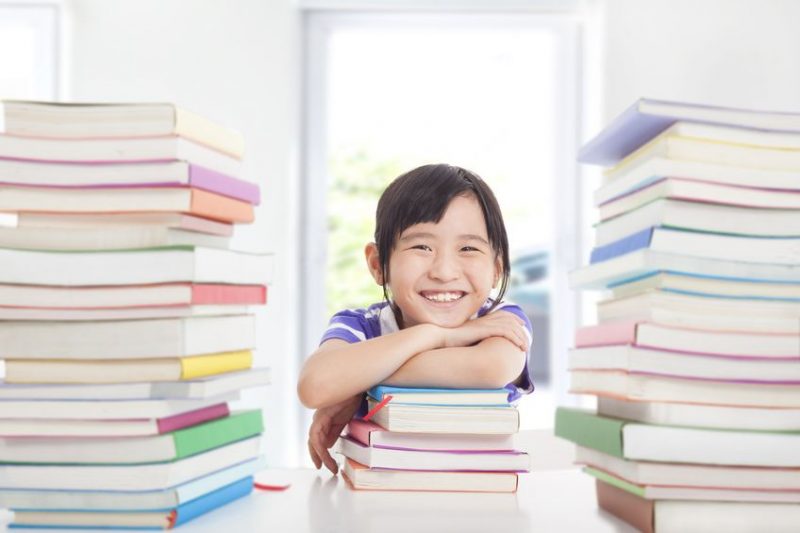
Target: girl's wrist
433,334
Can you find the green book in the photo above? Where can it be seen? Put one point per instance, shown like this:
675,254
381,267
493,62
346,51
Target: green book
589,430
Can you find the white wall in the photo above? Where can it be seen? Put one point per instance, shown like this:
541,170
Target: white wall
236,61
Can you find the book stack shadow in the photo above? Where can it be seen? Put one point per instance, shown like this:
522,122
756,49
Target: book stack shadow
695,360
435,440
126,322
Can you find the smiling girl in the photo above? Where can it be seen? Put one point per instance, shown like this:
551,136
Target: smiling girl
440,249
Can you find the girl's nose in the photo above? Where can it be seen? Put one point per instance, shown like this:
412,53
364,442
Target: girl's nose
444,268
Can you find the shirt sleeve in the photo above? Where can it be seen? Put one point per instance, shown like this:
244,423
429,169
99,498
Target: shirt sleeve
349,325
524,383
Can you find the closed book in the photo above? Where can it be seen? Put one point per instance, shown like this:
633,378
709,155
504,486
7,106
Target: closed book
165,519
166,173
126,339
108,221
121,200
119,150
133,450
646,118
691,475
134,267
441,460
446,419
651,387
130,427
732,290
429,396
68,120
667,516
124,313
127,500
363,478
645,442
684,341
127,477
125,370
103,409
371,434
204,388
770,250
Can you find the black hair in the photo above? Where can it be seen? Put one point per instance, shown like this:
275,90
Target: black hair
423,195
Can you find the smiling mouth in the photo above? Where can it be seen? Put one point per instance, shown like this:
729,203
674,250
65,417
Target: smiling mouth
442,296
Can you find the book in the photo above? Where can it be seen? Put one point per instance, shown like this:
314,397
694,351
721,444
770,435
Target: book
68,120
690,365
134,267
644,336
668,516
646,442
647,387
111,220
446,419
435,460
697,415
371,434
703,217
363,478
428,396
770,250
646,261
121,199
121,150
125,370
166,173
162,519
673,282
127,477
193,390
653,167
112,297
117,500
126,313
651,492
133,450
120,238
131,427
126,339
691,475
647,118
101,409
700,191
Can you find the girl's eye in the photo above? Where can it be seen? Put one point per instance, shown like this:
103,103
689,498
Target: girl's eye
469,249
421,247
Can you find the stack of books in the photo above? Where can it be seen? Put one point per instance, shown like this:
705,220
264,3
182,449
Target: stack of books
125,323
435,440
696,357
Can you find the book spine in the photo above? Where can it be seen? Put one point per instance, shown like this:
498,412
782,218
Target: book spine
211,180
607,334
589,430
192,418
215,364
212,500
636,511
631,243
217,433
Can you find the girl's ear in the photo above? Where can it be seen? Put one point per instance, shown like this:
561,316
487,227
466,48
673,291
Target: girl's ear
498,270
374,262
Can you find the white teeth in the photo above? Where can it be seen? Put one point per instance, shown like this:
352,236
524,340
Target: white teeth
443,296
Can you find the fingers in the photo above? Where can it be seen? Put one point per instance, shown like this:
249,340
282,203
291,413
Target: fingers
314,457
329,461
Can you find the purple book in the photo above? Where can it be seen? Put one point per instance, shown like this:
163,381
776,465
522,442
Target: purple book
213,181
192,418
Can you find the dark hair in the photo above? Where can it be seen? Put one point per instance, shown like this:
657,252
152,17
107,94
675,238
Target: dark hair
423,195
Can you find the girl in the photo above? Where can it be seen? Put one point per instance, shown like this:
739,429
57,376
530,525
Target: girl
440,248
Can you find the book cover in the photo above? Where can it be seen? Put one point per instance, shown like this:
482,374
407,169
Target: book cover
437,396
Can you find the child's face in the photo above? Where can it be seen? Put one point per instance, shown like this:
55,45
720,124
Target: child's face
441,273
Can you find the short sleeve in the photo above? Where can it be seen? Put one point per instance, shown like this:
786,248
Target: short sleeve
350,325
524,383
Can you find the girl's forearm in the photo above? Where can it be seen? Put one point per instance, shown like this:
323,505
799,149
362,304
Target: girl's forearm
336,372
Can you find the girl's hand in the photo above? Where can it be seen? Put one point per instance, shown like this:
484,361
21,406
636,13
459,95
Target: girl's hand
498,324
326,427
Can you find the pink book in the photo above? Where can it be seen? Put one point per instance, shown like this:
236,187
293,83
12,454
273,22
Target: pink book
192,418
606,334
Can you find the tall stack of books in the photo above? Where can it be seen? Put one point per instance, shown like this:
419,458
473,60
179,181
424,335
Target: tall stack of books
124,319
435,440
696,357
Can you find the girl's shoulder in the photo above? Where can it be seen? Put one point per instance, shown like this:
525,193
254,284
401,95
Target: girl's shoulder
359,323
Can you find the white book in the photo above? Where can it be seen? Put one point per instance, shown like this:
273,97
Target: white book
131,313
732,290
690,475
644,262
86,120
108,221
206,389
682,364
700,191
440,419
156,265
156,476
698,216
127,339
698,415
121,150
374,435
126,500
437,460
651,388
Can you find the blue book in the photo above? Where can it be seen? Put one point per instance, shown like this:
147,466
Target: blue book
628,244
453,397
161,519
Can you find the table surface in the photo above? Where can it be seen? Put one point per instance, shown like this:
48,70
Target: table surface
554,496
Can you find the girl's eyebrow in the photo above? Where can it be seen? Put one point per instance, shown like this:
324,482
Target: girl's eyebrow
426,235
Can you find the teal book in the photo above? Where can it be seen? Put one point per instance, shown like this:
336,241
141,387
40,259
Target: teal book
452,397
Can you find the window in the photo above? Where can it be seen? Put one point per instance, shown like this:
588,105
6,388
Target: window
28,46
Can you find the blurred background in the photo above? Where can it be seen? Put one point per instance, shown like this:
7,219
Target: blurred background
335,98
